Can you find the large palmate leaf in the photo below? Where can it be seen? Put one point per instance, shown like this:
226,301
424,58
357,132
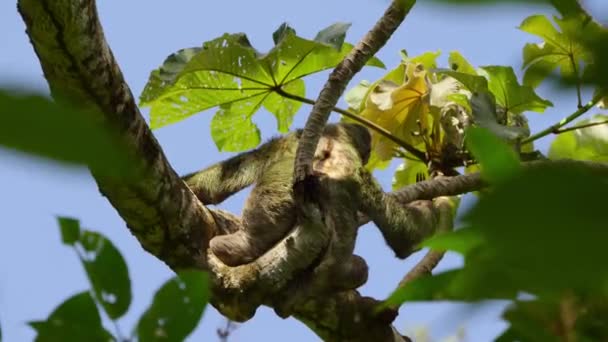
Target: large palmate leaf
401,108
563,50
512,96
230,74
589,143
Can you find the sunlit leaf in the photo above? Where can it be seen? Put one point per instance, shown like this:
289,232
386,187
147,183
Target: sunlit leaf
76,319
410,172
176,309
400,108
458,63
355,97
70,230
38,126
107,272
442,92
473,82
559,49
427,59
590,143
283,108
230,74
515,98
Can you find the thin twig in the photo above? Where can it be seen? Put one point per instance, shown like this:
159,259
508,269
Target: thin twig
555,128
381,130
590,124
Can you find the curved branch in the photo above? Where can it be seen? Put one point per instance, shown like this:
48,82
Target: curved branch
339,78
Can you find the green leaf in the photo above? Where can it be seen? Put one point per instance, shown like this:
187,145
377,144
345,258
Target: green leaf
283,108
427,59
563,50
462,241
514,97
281,32
452,285
532,321
76,319
590,143
410,172
356,96
107,272
230,74
38,126
458,63
70,230
333,35
524,225
527,223
176,309
483,109
232,128
498,160
474,83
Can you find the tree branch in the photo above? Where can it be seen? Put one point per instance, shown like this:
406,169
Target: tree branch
554,128
158,208
339,78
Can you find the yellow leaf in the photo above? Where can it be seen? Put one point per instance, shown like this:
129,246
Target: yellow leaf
402,109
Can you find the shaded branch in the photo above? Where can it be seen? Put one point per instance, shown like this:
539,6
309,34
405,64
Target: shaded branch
339,78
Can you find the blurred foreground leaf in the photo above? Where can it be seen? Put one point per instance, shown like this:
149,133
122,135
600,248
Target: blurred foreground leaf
38,126
542,233
76,319
176,309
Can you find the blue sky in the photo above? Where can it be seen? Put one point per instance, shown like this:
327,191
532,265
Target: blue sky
37,272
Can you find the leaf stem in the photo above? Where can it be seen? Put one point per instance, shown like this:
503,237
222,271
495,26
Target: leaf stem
590,124
381,130
556,127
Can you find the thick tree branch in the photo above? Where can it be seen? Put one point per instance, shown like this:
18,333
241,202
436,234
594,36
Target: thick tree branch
158,208
339,78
